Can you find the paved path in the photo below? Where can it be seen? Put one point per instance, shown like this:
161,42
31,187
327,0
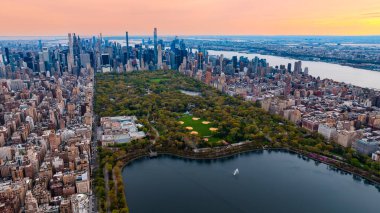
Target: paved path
157,134
107,189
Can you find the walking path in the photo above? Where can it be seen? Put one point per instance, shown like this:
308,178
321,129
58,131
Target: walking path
108,203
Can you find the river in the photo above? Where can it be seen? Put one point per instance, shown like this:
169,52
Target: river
269,181
355,76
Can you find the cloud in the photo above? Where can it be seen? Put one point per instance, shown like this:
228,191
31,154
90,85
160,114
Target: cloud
371,15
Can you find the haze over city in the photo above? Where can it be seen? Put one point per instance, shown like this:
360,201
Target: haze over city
195,17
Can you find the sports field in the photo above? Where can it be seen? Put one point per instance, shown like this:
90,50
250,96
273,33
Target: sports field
199,127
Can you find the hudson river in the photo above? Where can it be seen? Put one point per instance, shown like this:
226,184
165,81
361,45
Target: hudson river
269,181
355,76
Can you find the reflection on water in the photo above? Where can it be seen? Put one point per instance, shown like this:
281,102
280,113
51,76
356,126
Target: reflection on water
293,182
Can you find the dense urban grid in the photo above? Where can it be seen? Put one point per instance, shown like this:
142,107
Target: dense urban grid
46,152
349,51
49,134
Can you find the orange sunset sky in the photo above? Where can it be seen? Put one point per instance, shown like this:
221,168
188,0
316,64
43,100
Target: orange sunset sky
190,17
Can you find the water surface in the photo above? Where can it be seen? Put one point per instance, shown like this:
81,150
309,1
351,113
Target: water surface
275,181
355,76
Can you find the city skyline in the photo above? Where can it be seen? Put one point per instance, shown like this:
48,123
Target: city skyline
210,17
79,110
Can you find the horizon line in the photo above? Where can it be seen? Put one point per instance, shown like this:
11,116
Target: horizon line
188,35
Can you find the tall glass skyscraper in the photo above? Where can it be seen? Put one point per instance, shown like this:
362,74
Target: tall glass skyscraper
155,46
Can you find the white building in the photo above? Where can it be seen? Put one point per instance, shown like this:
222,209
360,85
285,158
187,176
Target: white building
376,156
82,183
120,129
80,203
328,131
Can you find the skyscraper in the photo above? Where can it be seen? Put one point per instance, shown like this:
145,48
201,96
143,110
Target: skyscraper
127,44
70,56
7,55
297,67
45,54
306,71
200,60
234,61
85,59
208,76
221,62
155,46
1,59
289,67
159,57
40,45
140,56
105,59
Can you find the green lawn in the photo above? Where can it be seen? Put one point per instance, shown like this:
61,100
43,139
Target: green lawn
158,80
197,125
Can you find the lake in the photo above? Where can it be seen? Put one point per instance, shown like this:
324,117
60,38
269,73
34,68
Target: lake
269,181
190,93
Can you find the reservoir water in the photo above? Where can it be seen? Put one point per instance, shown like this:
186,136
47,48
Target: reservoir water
268,181
355,76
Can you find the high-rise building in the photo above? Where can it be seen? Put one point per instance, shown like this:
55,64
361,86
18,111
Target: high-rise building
208,76
306,71
45,54
85,59
297,67
159,57
289,67
70,56
127,44
140,57
105,59
234,62
200,60
7,55
1,59
106,62
221,62
155,46
40,45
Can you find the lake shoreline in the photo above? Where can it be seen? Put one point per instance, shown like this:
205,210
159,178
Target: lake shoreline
218,153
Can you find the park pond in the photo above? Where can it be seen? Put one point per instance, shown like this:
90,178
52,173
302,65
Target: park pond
191,93
269,181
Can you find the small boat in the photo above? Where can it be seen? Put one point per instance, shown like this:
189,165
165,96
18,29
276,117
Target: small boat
236,172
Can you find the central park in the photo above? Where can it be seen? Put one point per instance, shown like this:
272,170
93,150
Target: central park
177,123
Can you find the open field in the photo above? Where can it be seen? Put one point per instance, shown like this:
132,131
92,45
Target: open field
158,80
199,125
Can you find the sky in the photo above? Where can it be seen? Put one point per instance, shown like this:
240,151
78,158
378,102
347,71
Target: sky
190,17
